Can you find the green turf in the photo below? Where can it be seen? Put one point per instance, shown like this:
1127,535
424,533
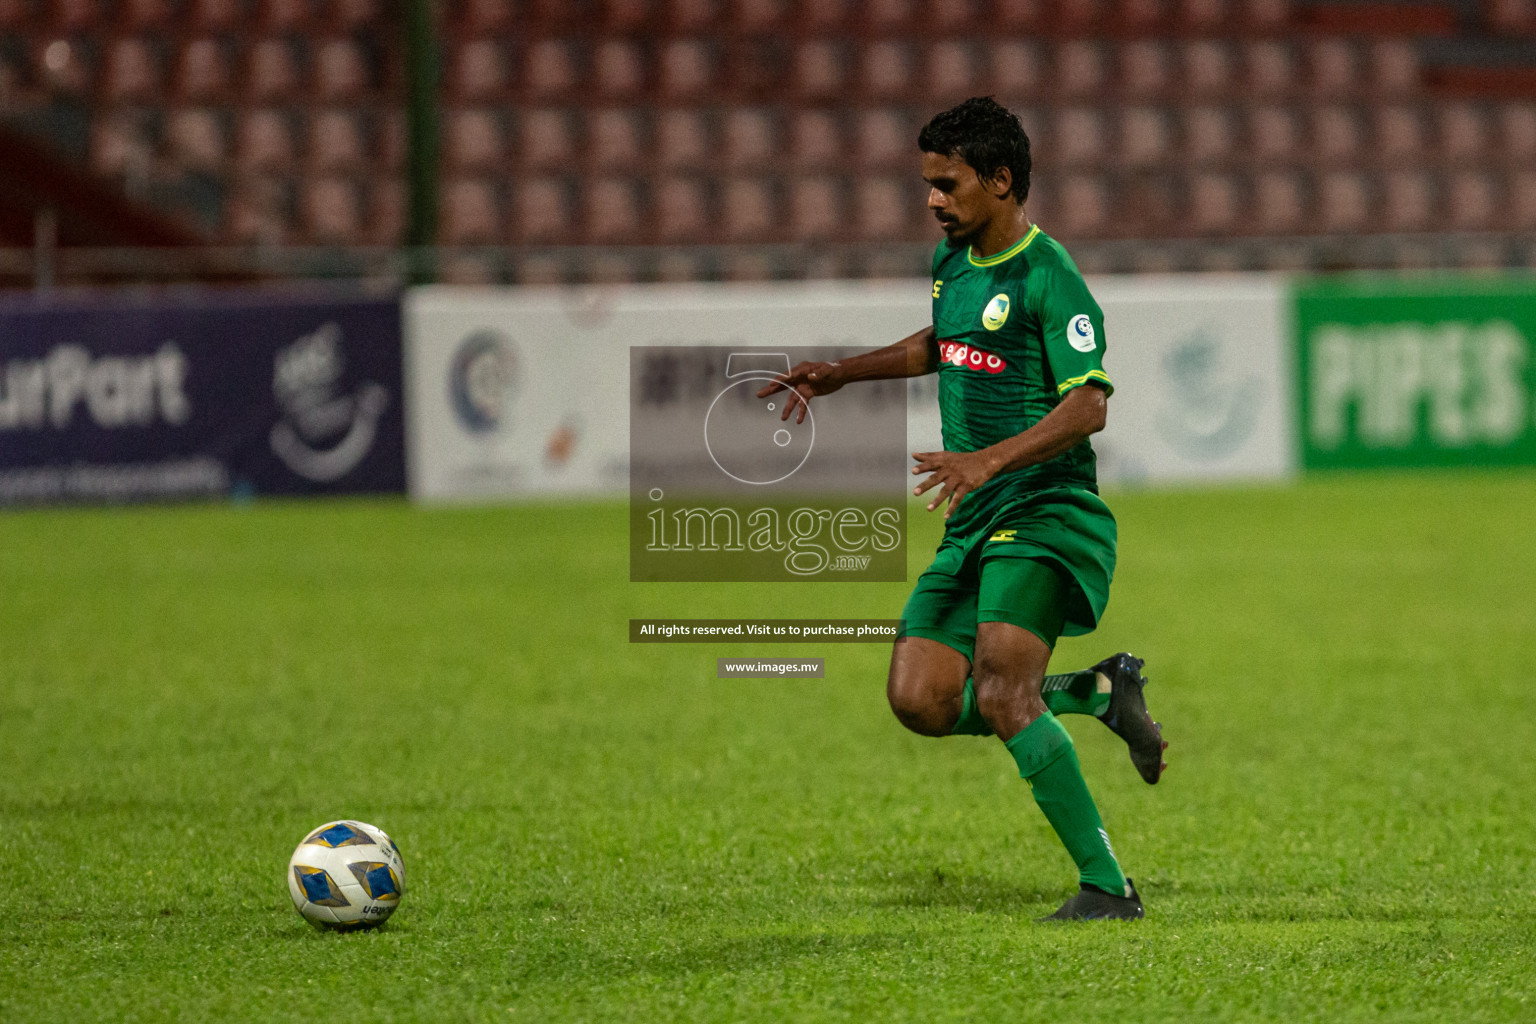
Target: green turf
599,830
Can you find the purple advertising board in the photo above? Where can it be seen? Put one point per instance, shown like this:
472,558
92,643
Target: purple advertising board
125,398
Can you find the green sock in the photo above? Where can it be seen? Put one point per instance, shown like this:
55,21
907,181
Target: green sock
1071,693
1047,760
1076,693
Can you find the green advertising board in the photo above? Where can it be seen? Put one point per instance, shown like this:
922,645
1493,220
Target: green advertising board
1416,371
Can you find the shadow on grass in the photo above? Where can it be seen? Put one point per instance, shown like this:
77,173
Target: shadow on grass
937,888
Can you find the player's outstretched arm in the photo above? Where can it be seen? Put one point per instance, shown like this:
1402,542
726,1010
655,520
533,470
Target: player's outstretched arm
1081,413
912,356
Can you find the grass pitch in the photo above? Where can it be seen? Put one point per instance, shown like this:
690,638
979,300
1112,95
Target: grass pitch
599,830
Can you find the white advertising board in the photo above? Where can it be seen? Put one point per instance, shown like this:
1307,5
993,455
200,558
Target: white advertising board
524,392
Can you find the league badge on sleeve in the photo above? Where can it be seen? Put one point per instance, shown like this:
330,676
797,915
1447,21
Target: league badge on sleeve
1080,333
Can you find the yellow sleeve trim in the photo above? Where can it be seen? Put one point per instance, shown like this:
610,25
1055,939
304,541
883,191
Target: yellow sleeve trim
1077,382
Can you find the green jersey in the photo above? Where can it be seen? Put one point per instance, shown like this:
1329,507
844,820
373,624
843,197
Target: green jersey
1016,331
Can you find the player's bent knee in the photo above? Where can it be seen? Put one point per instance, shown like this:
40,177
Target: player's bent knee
920,707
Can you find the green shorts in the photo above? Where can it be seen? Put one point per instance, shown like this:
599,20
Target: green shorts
1043,562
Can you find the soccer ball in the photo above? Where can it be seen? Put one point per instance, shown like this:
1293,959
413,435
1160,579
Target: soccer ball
346,875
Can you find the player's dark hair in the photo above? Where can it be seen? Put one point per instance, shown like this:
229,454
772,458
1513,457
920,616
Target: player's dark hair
986,135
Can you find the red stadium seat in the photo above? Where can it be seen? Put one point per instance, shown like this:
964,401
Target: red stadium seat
612,212
204,71
546,139
682,139
1077,136
1203,17
890,16
682,210
1343,202
1208,67
1279,202
1407,201
1398,134
1081,206
257,212
1145,69
950,17
1463,132
1264,16
818,71
195,139
485,17
748,210
478,70
1017,70
885,140
615,139
1333,67
749,138
353,15
76,15
122,146
1145,136
342,73
272,71
1020,15
1209,135
1268,69
474,140
133,71
471,213
1393,66
1081,68
215,15
816,137
139,15
1214,204
686,69
760,15
1517,132
817,209
1522,200
1335,134
884,207
618,68
1510,17
331,211
336,141
1472,200
887,70
689,16
552,68
264,141
1273,133
542,212
283,15
954,71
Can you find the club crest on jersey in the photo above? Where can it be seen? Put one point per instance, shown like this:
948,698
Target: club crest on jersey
996,313
958,353
1080,333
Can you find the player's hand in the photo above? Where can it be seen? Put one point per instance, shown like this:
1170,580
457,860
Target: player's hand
803,383
956,474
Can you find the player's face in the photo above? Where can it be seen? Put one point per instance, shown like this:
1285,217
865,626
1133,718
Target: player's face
960,200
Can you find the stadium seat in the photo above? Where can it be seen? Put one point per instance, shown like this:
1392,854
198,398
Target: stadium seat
337,141
885,140
612,213
749,138
1019,16
122,145
748,210
1333,67
484,17
883,207
1394,67
552,68
133,71
257,211
272,71
1076,136
1213,204
215,15
1268,69
353,15
884,17
1140,18
331,211
682,210
1203,17
471,213
950,17
1278,202
546,139
887,70
818,69
682,138
1522,200
143,15
264,141
1081,205
1273,133
1144,69
1462,131
283,16
195,139
1335,134
760,15
1407,201
542,212
68,16
618,68
342,74
953,71
1398,133
1264,16
1208,134
474,140
1081,68
1517,132
1472,200
1144,136
689,16
1016,68
817,209
1510,17
615,139
1343,202
686,69
203,71
1208,67
477,71
816,137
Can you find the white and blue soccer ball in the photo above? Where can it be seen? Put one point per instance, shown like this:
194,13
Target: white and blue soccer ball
346,875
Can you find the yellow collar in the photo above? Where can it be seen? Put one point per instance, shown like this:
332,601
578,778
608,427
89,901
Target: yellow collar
1007,254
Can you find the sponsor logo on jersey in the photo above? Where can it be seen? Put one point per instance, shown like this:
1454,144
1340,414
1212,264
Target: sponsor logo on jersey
1003,535
996,313
957,353
1080,333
